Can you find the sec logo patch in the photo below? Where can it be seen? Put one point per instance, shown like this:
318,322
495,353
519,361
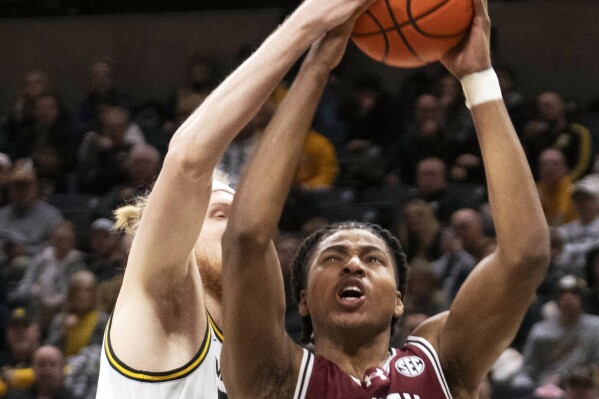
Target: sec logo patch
410,366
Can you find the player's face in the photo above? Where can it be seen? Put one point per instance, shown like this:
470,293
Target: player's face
351,284
208,247
215,222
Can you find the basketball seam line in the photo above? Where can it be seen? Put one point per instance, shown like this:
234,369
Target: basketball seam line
404,24
413,21
382,31
399,32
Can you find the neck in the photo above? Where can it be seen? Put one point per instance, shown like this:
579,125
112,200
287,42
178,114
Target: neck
352,353
570,320
559,125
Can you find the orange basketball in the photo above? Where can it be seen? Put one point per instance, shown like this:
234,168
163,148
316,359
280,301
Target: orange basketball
411,33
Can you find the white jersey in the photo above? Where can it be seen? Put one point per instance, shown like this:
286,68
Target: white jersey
200,378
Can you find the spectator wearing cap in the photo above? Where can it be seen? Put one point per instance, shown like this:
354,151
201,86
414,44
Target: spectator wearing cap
582,234
44,285
48,368
23,338
564,341
27,219
107,261
80,324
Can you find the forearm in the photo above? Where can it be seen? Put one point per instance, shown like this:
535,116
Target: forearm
522,232
234,103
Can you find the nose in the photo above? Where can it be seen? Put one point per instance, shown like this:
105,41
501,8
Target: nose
354,266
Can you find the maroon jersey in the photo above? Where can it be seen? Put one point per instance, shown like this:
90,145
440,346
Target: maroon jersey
412,372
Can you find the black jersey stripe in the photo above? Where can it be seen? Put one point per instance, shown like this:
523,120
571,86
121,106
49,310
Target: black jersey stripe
149,376
217,331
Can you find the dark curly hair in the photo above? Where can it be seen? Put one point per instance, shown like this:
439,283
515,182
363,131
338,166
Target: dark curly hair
300,263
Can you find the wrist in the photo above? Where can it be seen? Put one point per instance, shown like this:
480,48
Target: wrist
481,87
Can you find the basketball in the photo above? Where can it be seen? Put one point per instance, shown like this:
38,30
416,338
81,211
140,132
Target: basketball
408,34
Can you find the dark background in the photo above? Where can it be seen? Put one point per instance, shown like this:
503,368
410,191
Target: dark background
33,8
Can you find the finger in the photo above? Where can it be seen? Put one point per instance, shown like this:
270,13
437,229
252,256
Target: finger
362,9
481,7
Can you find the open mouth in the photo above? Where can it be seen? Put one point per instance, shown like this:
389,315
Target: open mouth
352,294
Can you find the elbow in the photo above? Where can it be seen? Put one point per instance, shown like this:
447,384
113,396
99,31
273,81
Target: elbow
189,162
532,256
247,239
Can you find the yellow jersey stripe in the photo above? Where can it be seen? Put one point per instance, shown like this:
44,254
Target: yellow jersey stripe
148,376
217,330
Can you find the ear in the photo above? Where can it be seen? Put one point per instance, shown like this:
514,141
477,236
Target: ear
303,307
398,306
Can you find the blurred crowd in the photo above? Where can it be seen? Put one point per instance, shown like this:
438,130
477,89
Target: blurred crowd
406,158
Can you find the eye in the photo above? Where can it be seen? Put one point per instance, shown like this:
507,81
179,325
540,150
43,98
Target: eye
374,259
332,259
219,215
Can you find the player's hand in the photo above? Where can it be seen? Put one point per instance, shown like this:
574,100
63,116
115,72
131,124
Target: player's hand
325,15
474,53
329,49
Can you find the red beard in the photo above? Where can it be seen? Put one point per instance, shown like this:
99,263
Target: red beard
210,271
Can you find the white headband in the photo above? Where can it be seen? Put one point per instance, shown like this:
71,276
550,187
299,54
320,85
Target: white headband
220,186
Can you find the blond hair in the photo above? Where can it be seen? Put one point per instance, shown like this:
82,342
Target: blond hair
127,217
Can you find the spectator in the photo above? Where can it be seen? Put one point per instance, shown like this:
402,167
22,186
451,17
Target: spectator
424,294
560,343
107,261
469,229
592,278
49,141
432,187
420,231
425,138
27,220
23,338
35,82
555,188
552,128
142,166
43,288
318,166
48,367
83,372
582,234
465,244
467,166
424,81
199,81
103,92
102,155
368,116
237,154
582,383
80,324
5,167
515,101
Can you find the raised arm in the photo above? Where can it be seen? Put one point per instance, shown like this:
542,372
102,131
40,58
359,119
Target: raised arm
489,307
257,350
162,282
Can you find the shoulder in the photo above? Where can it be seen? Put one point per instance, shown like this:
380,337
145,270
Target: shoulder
591,321
46,208
431,328
578,128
